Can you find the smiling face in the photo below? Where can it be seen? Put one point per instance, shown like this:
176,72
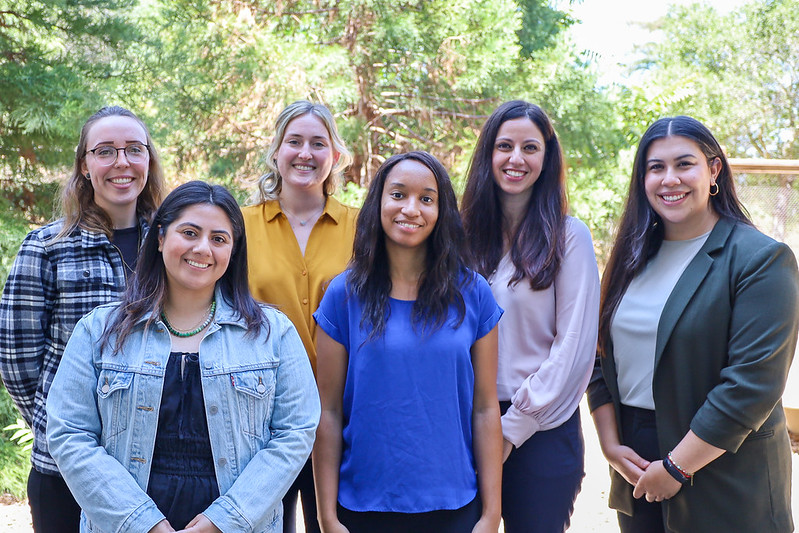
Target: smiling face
677,181
116,186
409,205
196,249
306,155
518,156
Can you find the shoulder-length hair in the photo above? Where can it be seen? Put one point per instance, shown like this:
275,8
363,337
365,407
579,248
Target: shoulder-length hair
537,245
443,278
78,207
269,185
147,291
641,230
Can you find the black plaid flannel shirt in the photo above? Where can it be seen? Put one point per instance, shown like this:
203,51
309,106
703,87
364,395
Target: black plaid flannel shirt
50,287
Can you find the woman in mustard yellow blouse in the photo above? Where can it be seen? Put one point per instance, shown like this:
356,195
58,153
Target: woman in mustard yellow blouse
299,238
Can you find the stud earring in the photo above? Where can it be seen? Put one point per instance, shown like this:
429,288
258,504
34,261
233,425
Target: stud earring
87,176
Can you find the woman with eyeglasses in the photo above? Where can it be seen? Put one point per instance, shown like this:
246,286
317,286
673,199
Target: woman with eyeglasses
64,270
301,238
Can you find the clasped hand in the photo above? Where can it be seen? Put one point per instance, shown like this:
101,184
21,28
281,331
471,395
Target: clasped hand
650,479
656,484
199,524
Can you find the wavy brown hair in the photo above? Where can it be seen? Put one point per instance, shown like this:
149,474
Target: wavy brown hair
78,208
537,246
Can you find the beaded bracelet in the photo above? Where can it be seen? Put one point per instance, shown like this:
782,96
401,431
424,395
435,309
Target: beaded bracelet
676,471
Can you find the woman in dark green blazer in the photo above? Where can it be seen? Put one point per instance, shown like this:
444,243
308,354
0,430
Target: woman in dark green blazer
698,326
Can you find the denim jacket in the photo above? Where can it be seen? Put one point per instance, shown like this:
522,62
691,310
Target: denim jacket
261,403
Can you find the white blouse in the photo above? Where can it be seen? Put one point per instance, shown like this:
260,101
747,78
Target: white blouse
634,327
547,339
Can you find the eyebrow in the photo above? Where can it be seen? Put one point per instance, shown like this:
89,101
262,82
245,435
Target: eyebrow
290,134
126,142
198,227
651,159
531,139
403,186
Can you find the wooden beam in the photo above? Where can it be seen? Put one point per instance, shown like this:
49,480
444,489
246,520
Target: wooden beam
764,166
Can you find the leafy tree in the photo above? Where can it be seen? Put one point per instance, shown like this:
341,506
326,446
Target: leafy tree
59,61
738,73
400,75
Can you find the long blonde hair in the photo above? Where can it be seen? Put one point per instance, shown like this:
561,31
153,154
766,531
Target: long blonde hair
78,208
269,185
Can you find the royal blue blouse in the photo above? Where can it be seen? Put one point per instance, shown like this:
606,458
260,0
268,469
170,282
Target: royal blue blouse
408,397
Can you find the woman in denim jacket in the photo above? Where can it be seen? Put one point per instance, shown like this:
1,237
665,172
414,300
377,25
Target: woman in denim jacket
187,405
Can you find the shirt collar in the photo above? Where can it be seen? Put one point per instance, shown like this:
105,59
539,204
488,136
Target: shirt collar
333,209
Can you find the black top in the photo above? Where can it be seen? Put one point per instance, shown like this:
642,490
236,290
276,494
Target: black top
182,479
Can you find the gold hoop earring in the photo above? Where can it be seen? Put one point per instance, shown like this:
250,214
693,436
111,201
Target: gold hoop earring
716,185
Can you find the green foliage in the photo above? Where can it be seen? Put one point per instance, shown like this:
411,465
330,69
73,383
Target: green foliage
737,72
14,459
22,434
352,194
60,60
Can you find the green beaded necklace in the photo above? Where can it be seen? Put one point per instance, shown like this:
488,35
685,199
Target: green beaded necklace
195,331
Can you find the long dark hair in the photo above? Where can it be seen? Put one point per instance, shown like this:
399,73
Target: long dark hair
443,278
537,246
641,229
77,196
146,292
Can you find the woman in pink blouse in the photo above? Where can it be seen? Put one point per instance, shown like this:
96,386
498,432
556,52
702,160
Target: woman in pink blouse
543,273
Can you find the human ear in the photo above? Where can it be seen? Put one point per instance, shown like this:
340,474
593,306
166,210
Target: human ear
715,169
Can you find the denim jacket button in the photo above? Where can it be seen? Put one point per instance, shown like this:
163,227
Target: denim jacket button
213,409
261,388
105,388
222,461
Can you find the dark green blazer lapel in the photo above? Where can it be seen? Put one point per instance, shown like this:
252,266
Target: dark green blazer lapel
690,280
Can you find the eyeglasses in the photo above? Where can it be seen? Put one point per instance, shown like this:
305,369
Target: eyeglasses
107,155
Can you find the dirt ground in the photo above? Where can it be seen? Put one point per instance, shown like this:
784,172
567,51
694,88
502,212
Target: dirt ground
591,513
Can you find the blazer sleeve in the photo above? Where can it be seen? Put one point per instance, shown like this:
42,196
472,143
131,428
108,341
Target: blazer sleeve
762,337
598,393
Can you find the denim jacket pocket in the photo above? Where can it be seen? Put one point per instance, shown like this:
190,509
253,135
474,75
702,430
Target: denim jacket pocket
113,400
255,394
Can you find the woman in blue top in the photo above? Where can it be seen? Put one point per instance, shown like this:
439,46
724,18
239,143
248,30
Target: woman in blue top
187,405
407,366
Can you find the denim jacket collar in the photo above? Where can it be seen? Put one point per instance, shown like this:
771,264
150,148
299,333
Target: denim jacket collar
224,314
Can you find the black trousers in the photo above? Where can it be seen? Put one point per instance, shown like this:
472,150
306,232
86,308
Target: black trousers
304,488
639,432
456,521
53,508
